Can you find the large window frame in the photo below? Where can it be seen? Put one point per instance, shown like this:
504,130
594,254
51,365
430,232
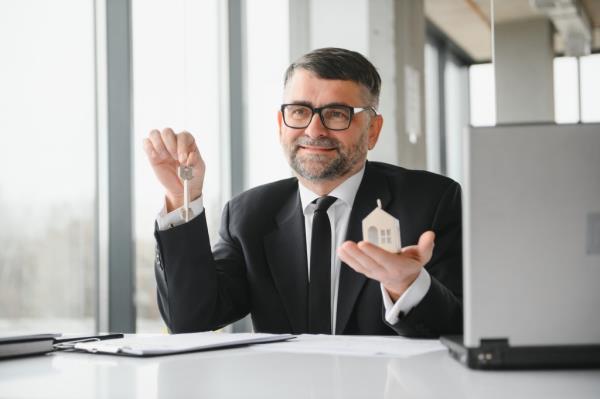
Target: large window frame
114,223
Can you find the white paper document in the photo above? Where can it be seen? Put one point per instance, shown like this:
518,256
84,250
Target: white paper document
356,345
176,343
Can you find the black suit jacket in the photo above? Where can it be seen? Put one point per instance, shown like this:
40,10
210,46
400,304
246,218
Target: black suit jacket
259,264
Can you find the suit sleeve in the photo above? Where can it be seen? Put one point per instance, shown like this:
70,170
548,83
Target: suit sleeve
440,311
199,290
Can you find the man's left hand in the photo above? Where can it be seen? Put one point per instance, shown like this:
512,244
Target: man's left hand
395,271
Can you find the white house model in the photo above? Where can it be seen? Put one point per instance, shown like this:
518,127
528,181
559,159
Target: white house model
382,229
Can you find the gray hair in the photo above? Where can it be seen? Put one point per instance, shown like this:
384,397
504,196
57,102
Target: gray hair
339,64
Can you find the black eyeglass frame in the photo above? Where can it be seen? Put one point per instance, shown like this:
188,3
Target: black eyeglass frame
318,110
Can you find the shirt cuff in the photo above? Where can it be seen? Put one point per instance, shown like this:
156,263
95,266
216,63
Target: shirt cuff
175,218
413,295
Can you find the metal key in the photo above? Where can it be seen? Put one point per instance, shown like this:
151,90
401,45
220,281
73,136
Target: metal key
185,173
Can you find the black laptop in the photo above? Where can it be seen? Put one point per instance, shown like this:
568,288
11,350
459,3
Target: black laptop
531,225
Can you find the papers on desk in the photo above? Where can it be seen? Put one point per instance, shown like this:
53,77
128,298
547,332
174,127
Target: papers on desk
177,343
356,345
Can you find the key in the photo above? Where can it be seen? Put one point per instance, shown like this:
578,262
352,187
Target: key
185,173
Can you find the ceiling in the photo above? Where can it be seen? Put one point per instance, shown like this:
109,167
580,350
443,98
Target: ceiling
467,22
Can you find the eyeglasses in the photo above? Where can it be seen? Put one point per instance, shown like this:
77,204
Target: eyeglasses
333,117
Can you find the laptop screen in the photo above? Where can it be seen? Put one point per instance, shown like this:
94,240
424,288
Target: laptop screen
531,233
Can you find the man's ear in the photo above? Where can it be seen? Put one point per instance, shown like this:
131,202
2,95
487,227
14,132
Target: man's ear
374,130
279,122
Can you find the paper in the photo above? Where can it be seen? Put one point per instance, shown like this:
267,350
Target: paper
356,345
176,343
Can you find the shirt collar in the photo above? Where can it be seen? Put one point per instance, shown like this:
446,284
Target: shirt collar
346,191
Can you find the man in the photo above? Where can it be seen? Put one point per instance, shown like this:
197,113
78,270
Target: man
291,253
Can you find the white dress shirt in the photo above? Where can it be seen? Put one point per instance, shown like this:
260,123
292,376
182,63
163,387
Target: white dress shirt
339,215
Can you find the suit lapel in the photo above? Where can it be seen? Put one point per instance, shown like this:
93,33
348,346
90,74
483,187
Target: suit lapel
373,186
285,249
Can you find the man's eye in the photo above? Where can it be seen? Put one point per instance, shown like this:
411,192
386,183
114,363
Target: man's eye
299,112
337,114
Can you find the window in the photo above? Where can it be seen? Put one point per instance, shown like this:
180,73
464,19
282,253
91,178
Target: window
176,74
482,95
577,89
47,166
590,88
267,58
446,102
566,92
456,80
432,108
385,236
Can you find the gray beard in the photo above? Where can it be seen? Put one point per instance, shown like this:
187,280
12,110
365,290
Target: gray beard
327,168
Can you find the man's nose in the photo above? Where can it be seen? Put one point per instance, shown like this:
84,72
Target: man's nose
315,128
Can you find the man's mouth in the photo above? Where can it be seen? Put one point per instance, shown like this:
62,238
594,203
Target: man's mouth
316,149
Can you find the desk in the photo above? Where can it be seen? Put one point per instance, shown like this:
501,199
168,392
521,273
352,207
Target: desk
249,372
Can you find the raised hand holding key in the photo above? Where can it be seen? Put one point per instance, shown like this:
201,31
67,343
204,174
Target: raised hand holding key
169,152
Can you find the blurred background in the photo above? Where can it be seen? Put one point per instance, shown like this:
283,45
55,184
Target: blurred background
82,82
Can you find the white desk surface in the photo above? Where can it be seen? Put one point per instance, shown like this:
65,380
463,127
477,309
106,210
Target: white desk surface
252,373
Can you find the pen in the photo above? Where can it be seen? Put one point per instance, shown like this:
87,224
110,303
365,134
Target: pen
98,337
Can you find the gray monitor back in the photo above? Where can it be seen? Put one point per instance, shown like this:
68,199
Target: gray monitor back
532,234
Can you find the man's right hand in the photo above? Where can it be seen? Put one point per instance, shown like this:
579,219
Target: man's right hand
166,151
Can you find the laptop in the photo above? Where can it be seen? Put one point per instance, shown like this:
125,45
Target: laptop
531,222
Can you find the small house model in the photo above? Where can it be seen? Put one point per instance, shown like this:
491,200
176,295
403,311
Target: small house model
382,229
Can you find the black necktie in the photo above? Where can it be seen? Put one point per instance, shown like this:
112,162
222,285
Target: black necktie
319,287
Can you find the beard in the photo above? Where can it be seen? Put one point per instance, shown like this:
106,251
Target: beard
317,167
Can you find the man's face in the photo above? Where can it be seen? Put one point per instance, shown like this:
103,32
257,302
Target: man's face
315,152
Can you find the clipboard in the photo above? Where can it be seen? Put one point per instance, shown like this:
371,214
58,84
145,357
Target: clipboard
162,345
